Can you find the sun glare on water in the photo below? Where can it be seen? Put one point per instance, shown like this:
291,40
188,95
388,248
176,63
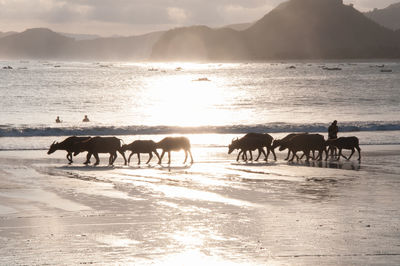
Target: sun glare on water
183,100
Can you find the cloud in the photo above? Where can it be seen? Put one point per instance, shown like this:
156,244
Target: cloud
122,15
366,5
177,14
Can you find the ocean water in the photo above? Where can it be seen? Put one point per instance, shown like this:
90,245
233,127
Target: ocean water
160,98
216,211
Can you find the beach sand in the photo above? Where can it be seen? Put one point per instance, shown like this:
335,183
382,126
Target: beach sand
215,212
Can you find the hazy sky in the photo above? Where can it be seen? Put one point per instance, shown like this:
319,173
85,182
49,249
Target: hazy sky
132,17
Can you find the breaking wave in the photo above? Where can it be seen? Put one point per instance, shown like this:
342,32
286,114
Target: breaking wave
28,131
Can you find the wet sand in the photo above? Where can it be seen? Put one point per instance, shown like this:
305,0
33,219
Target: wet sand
215,211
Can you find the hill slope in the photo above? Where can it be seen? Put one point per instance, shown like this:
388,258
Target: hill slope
34,43
41,43
319,29
200,43
388,17
297,29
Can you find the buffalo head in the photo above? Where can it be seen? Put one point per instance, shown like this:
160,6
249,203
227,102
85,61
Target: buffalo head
124,147
53,147
276,143
233,146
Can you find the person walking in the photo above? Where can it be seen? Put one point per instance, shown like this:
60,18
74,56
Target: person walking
333,129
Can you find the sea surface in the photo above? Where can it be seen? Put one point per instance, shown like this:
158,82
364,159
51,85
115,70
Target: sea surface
216,211
185,98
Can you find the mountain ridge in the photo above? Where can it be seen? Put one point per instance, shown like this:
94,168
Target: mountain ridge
388,17
296,29
43,43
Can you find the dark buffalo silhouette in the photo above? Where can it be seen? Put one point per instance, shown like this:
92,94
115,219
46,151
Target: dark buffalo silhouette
98,145
347,143
169,144
66,145
281,144
141,146
251,142
305,143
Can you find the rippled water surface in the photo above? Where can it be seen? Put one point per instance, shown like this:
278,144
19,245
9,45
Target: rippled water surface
122,94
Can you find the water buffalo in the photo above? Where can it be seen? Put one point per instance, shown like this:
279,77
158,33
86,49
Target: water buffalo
306,143
66,145
141,146
281,144
98,145
347,143
251,142
169,144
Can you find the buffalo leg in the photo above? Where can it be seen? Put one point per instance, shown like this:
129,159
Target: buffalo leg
129,158
288,155
307,152
97,158
265,154
259,154
359,152
150,156
319,157
69,157
244,156
191,157
162,155
158,156
294,154
110,159
237,159
88,158
261,151
169,157
123,156
273,152
352,152
251,156
186,154
340,154
138,157
115,155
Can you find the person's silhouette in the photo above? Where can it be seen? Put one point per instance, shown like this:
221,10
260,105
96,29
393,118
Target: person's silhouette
85,119
332,134
58,120
333,130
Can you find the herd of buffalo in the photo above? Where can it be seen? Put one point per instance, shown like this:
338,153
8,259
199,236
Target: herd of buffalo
296,142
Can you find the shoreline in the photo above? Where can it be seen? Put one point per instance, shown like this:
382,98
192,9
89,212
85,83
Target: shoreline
216,211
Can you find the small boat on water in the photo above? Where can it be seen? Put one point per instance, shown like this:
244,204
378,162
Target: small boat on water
332,68
8,67
291,67
386,71
202,79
